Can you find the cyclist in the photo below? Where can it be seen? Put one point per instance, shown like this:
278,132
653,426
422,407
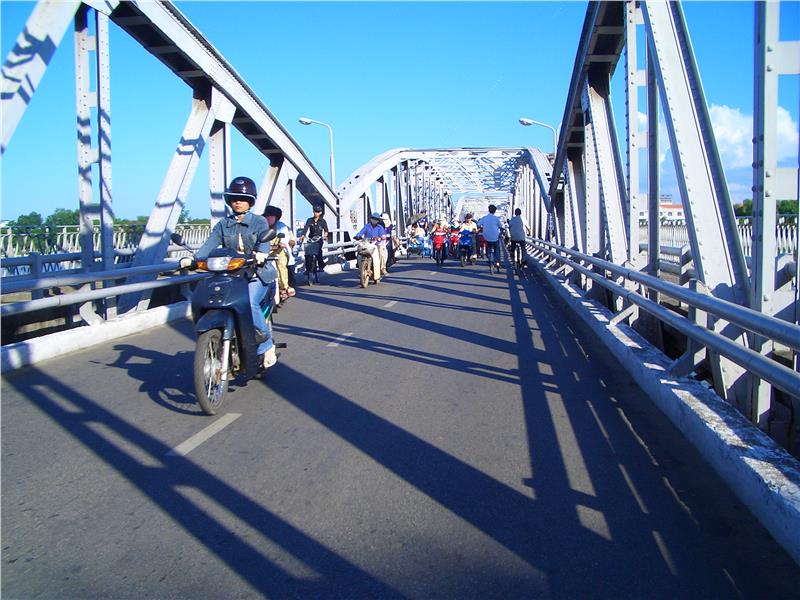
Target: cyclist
315,226
491,233
518,232
243,231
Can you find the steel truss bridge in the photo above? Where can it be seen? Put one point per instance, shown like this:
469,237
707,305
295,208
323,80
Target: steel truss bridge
736,317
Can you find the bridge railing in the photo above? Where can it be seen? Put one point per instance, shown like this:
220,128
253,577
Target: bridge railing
712,325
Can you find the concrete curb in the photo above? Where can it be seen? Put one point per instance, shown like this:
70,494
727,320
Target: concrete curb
763,475
29,352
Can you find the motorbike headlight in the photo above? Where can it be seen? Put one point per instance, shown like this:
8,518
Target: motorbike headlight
218,263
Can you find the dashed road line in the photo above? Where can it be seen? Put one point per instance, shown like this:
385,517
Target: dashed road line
203,435
390,304
339,339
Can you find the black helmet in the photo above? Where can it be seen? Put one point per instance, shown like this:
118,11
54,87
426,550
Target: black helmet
273,211
492,208
319,208
241,188
518,211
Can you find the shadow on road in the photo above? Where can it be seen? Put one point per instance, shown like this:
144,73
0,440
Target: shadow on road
163,485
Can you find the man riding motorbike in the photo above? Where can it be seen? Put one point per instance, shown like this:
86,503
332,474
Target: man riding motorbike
375,235
243,231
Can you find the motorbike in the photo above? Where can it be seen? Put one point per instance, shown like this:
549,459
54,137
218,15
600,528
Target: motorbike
465,248
439,241
453,246
311,248
227,342
481,245
364,260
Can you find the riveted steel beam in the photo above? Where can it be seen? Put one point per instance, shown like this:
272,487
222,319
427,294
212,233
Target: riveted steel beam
160,26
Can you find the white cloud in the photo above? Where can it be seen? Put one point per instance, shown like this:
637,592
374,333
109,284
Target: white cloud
787,135
734,133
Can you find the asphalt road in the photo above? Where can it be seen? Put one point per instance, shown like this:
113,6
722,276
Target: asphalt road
445,434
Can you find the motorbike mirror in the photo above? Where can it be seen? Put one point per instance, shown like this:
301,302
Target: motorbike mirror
269,235
176,238
281,236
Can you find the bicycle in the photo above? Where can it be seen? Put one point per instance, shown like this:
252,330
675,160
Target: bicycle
518,256
311,249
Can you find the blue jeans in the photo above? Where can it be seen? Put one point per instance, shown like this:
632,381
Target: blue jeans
492,251
257,291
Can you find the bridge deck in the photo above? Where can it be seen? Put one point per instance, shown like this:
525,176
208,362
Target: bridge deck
467,439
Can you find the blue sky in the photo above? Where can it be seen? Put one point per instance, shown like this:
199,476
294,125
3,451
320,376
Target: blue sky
385,75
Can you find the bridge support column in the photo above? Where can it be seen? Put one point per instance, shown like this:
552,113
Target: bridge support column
94,94
713,235
219,166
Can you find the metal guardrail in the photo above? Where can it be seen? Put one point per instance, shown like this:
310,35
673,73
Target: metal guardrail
775,329
123,271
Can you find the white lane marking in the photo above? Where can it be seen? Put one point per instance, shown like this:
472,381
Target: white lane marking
202,435
339,339
390,304
433,272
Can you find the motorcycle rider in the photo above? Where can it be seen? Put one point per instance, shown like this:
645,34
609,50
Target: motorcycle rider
374,234
244,232
472,226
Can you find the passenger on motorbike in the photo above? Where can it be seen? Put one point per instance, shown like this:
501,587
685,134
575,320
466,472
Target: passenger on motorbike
374,234
243,231
280,249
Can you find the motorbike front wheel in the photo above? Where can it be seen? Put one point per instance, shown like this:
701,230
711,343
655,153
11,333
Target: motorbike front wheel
365,271
210,382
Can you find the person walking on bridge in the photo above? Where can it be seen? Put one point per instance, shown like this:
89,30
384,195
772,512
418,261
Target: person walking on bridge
491,233
518,231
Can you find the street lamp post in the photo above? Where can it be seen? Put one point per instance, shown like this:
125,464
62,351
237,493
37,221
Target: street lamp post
528,122
307,121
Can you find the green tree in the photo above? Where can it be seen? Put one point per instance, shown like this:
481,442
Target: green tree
787,207
32,219
62,217
745,209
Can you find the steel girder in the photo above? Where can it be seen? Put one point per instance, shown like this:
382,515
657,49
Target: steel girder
714,238
773,58
428,179
162,30
671,72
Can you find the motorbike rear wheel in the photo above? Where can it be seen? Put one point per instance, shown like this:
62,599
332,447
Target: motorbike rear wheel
210,383
463,260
